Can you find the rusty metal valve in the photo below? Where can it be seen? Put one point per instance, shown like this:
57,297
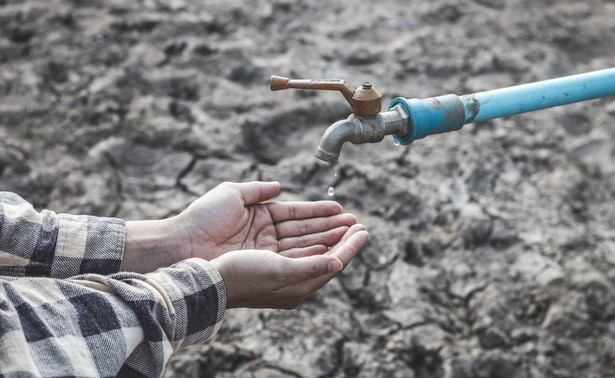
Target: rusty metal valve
364,101
366,124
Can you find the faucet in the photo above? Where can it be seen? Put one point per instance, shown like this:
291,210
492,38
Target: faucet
366,124
411,119
361,129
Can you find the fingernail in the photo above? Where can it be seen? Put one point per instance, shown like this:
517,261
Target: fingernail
335,266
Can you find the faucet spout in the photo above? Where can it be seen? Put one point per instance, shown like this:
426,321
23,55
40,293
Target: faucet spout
361,129
334,137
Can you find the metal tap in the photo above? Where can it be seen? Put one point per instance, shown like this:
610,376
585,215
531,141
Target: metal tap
366,124
410,119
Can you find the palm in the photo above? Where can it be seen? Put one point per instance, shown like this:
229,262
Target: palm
229,225
233,216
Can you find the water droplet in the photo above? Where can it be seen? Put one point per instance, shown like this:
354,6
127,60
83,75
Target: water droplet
331,191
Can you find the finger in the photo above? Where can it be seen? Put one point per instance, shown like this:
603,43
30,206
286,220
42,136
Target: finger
255,191
346,252
283,211
348,249
329,237
304,252
310,226
351,231
310,267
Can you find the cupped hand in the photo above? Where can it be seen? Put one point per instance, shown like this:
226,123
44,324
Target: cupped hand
234,216
265,279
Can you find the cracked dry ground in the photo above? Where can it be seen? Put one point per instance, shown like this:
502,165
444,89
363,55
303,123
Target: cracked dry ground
493,248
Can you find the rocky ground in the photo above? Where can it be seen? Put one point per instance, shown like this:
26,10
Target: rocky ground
493,248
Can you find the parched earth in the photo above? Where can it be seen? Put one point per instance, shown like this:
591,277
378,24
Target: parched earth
493,248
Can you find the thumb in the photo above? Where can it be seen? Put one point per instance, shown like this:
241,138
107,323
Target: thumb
256,191
306,268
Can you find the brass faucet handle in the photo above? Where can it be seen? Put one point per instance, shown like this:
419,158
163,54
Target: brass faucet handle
364,101
279,83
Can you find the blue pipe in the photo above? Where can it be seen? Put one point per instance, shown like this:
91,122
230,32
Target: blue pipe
450,112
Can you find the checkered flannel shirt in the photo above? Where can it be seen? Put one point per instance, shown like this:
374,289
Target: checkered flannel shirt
66,311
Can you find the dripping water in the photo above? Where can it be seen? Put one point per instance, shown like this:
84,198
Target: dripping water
331,190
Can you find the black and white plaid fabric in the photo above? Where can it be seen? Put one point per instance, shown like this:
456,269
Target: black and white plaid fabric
65,311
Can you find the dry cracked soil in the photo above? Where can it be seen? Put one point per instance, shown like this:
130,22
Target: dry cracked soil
493,248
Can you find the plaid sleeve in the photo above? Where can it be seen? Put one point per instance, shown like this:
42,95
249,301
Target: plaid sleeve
125,324
46,244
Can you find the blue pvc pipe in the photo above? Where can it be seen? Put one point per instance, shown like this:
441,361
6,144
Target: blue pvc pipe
446,113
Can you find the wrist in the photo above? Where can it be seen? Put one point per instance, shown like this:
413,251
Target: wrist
218,266
152,244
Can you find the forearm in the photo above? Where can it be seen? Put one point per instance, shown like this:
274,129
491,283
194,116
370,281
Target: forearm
95,325
46,244
153,244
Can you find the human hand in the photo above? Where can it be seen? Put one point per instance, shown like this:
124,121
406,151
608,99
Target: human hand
234,216
231,217
265,279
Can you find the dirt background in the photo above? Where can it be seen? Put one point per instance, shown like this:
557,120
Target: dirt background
493,248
